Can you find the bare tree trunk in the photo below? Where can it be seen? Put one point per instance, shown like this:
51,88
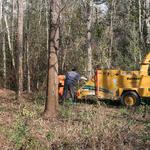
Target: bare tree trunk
9,40
140,28
148,21
52,79
13,23
111,39
1,8
27,52
47,25
28,68
20,49
89,24
4,43
4,62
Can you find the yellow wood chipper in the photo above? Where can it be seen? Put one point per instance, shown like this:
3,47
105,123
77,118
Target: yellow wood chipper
127,86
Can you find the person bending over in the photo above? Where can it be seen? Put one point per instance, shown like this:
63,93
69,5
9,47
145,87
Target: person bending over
71,80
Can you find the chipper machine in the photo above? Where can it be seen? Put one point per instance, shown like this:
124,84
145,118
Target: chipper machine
127,86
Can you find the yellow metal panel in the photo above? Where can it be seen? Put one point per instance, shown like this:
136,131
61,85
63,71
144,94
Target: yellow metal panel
142,92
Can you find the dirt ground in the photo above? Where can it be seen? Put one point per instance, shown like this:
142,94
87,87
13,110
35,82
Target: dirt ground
79,126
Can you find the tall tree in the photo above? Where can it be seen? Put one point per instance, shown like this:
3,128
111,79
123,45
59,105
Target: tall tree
20,48
4,61
113,3
52,79
47,25
4,44
147,4
89,36
27,49
140,27
1,8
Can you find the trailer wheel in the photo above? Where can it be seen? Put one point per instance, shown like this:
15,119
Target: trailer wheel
130,98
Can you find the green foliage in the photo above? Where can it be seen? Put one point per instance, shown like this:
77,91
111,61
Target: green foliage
49,135
124,111
19,134
28,113
40,98
33,143
126,46
65,112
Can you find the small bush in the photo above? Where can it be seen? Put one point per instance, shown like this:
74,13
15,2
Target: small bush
40,98
19,134
49,135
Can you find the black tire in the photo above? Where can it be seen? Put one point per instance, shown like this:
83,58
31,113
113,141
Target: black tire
130,99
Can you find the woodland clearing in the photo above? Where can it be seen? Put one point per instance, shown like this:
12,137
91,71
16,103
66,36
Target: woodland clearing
79,126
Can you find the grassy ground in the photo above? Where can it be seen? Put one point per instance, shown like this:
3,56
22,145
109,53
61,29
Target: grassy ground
81,126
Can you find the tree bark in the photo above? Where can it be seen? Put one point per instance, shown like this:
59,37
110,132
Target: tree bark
4,62
20,49
47,25
140,28
28,67
3,44
148,21
52,79
89,24
13,23
9,40
27,51
1,8
111,32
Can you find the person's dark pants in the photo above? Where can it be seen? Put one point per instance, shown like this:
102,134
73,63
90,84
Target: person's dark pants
69,89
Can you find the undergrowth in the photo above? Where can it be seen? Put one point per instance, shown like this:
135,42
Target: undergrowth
78,126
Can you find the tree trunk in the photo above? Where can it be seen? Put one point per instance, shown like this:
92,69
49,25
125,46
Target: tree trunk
89,24
1,8
4,62
12,31
140,28
20,48
28,68
47,26
111,33
9,40
52,79
4,44
27,52
148,21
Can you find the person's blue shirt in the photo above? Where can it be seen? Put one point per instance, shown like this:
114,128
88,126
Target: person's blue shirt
72,77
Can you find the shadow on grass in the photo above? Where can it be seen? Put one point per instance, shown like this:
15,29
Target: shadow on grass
104,102
146,101
110,103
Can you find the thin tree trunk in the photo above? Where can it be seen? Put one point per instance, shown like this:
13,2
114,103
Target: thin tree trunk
47,26
89,24
148,21
20,49
52,79
13,23
27,52
111,40
1,8
111,33
9,41
3,44
4,62
140,28
28,69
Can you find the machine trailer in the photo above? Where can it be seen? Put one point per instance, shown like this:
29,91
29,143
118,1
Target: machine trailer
127,86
